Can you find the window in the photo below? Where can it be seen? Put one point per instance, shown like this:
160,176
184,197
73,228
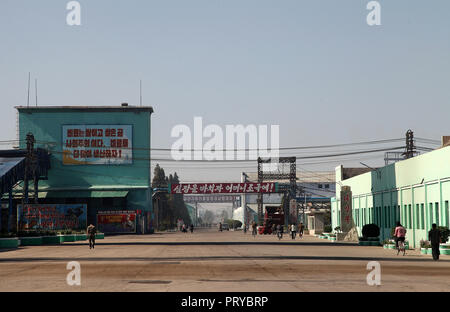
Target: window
327,185
417,217
386,221
446,213
410,225
430,215
320,185
422,219
436,208
404,219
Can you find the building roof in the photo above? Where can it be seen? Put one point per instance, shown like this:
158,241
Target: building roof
348,173
87,108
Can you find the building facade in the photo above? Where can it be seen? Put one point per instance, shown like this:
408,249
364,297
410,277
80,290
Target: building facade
415,192
100,156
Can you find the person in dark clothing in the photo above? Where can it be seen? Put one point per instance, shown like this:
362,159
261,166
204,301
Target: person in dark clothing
91,231
434,236
192,228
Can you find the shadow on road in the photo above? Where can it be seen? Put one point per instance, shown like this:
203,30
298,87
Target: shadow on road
221,258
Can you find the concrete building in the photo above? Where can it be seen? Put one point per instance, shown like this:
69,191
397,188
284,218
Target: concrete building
100,156
415,192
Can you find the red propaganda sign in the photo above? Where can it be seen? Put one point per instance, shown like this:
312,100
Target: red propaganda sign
223,188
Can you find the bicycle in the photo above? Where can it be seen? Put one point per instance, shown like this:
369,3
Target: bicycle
280,235
401,247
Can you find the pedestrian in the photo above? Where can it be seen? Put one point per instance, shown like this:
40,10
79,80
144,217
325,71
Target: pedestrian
254,229
293,231
434,236
274,229
91,231
192,228
300,230
220,226
245,228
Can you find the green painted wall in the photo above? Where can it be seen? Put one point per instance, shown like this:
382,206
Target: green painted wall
415,191
46,126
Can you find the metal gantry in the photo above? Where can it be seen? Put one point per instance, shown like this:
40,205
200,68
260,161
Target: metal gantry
290,192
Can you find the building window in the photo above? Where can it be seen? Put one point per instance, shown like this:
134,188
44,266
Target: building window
430,215
417,217
422,215
327,185
446,213
410,225
436,208
320,185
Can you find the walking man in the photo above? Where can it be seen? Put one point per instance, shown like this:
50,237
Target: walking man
254,229
300,230
91,231
434,236
192,228
293,231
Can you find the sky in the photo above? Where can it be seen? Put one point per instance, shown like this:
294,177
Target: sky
314,67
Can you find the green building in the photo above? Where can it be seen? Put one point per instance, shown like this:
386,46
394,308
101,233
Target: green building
100,156
414,191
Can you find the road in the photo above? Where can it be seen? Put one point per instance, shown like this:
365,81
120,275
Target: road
208,260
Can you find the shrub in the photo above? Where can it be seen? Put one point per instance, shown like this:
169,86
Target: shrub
445,233
370,230
234,224
327,228
392,231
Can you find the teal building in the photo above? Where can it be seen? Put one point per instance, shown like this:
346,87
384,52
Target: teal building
414,191
99,155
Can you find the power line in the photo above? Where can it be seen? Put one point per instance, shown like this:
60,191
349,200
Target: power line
244,160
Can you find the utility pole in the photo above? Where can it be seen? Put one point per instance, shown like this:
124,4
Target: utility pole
410,147
28,162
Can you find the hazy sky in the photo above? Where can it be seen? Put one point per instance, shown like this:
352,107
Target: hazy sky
314,67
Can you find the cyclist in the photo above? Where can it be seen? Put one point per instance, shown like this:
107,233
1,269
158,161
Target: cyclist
399,235
279,231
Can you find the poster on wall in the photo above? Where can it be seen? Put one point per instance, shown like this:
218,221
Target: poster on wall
52,217
116,221
97,144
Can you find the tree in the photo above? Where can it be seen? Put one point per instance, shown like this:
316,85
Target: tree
208,217
171,207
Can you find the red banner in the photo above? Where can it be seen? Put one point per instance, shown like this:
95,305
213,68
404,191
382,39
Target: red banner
223,188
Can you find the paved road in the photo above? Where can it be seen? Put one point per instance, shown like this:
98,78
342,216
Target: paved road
211,261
